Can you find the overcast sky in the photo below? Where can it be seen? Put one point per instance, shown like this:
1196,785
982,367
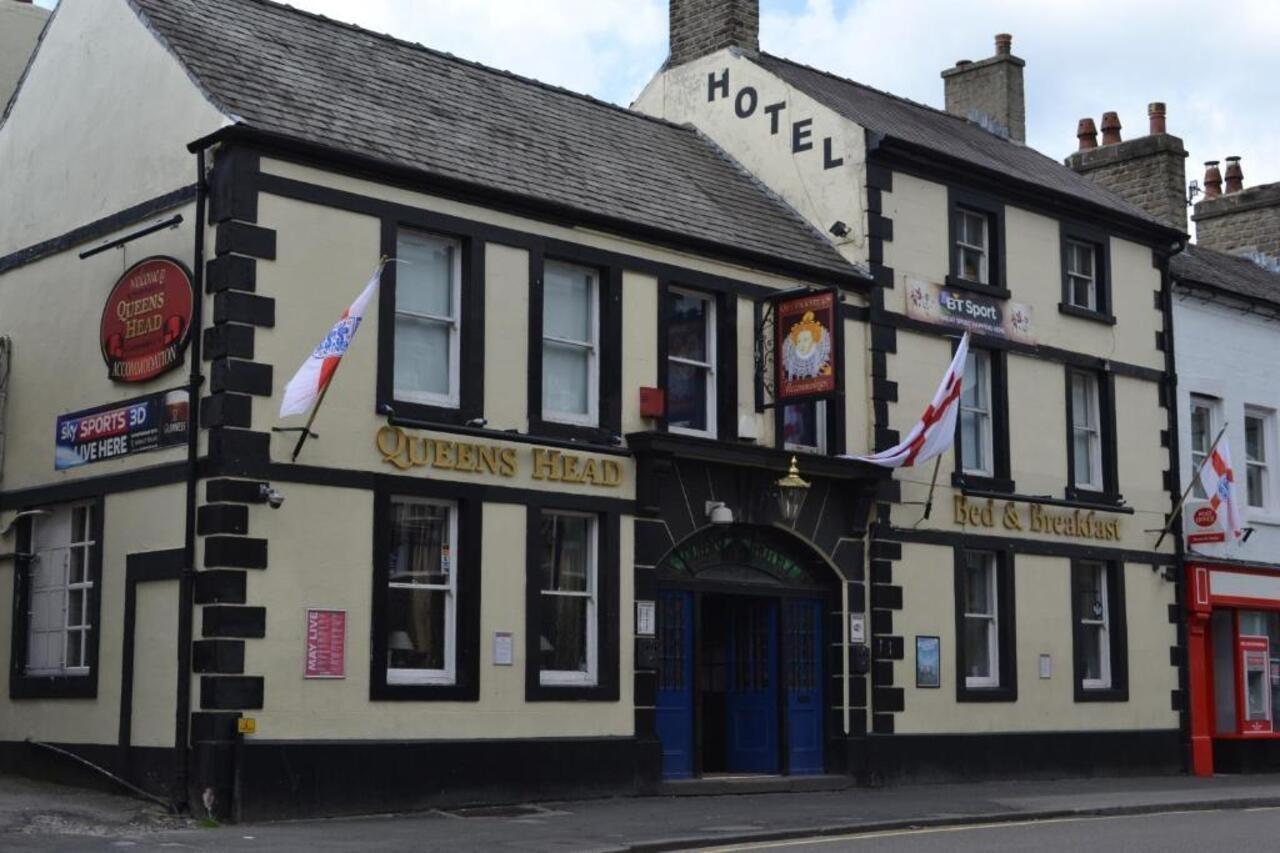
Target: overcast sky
1216,64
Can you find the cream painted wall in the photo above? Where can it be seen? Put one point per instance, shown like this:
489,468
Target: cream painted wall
820,195
326,565
506,334
20,26
146,520
1043,622
639,363
53,310
100,83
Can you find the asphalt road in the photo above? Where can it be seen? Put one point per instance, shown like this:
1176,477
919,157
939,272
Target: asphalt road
1247,831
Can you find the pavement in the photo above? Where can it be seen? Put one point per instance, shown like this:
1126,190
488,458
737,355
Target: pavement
36,816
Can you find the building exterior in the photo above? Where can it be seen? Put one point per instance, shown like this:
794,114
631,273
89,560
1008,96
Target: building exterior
20,26
544,540
1034,583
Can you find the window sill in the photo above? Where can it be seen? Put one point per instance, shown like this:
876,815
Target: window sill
1264,519
571,692
1089,499
380,691
1101,694
990,290
22,686
981,486
1086,314
986,694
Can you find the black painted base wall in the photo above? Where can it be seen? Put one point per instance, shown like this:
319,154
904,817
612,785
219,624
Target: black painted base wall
1246,756
152,769
289,779
1033,755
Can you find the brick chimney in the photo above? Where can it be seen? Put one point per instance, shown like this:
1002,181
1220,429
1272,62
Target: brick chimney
1147,171
989,91
700,27
1240,221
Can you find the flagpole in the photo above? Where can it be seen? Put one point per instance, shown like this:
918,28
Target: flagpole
928,501
1187,492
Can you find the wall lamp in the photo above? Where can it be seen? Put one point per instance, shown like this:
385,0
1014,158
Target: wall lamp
791,493
718,513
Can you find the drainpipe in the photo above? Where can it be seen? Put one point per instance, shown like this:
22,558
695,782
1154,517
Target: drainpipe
186,583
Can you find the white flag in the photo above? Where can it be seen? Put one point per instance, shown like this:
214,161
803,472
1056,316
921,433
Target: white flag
1219,482
305,387
936,430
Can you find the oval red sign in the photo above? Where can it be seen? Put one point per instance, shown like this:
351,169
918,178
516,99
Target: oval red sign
147,320
1205,516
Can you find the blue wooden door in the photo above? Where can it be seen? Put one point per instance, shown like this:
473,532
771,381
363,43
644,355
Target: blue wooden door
802,675
674,714
751,698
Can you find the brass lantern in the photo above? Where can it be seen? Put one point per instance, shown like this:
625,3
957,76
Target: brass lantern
791,492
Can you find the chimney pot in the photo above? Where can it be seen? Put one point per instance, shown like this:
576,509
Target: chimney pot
1087,133
1235,176
1156,115
961,63
1212,179
1004,44
1110,128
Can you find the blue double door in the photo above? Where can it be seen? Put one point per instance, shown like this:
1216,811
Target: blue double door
739,684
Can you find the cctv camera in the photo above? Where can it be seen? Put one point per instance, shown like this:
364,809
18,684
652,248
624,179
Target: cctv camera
273,497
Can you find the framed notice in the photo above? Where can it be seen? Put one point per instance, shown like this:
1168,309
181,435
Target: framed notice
928,662
805,352
326,644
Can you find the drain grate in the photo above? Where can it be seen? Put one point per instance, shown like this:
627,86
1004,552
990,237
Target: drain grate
497,811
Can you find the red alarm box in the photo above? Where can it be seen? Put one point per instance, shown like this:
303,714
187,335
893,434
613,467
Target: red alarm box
653,403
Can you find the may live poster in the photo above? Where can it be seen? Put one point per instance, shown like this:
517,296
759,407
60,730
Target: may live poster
805,348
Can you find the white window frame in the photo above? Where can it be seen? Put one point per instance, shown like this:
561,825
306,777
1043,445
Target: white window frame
1266,424
1092,427
709,365
592,347
452,323
1074,275
562,677
1103,626
1210,406
820,413
992,566
965,215
448,675
979,366
55,552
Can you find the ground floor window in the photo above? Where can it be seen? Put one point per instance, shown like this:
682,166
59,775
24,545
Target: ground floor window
1099,641
985,656
421,592
567,627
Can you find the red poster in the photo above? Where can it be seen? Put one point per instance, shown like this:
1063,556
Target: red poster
147,320
805,348
326,644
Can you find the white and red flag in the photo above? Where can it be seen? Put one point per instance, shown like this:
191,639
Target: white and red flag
1219,482
935,432
311,380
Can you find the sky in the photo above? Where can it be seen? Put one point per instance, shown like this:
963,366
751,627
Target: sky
1216,64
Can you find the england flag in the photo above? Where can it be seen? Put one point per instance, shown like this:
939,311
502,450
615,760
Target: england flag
1219,482
935,432
309,383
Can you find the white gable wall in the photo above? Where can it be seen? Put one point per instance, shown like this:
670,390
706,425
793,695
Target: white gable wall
737,120
101,123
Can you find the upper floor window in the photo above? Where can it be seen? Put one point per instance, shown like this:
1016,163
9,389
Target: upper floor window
1202,432
1256,454
567,623
804,426
570,343
427,318
976,420
421,592
1082,277
972,246
691,363
1086,431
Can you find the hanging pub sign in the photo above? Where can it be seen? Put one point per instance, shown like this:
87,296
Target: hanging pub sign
121,429
805,351
147,320
965,309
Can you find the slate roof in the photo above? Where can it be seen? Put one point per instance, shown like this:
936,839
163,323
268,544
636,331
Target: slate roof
278,69
944,133
1228,273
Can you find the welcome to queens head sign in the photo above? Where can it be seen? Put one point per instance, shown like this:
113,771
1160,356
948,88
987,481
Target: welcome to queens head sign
147,320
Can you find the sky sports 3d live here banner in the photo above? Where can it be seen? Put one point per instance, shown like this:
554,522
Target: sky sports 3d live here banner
121,429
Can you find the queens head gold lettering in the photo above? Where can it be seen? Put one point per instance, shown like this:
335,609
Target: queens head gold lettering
405,451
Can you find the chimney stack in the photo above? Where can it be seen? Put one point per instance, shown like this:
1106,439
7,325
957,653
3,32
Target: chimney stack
1212,179
700,27
989,91
1147,172
1235,176
1110,128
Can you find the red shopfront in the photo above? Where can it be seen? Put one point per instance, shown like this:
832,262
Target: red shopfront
1233,647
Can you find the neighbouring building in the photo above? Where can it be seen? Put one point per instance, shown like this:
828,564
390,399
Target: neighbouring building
1027,625
20,24
566,525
